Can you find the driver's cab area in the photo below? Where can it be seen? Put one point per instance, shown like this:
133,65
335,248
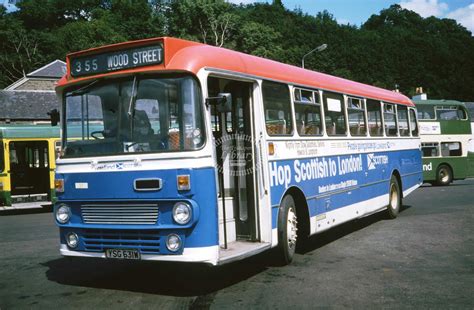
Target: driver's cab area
133,115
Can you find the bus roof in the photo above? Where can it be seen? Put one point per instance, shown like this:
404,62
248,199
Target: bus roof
17,131
186,56
440,102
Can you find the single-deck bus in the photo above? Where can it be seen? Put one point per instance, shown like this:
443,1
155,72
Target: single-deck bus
445,131
210,155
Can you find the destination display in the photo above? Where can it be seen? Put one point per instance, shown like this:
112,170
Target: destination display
113,61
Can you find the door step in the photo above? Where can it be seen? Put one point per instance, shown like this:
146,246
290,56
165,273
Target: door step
241,249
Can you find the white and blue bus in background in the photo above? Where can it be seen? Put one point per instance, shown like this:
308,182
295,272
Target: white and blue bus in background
196,153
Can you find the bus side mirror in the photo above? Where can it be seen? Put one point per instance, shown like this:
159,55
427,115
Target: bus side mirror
54,115
223,102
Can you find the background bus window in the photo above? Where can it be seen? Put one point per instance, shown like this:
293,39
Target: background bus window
2,158
450,113
374,114
355,112
451,149
430,149
413,124
307,112
426,112
403,121
335,118
277,105
389,117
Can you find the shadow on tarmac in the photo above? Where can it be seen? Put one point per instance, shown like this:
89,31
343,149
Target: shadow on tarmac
319,240
183,279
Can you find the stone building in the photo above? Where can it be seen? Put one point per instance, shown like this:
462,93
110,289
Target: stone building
30,98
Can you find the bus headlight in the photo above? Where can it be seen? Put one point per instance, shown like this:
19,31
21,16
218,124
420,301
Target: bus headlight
182,213
173,243
72,240
63,214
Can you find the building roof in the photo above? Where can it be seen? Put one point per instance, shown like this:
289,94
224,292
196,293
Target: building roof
27,105
54,70
181,55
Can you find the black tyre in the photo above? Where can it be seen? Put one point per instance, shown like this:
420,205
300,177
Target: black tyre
395,198
444,175
287,231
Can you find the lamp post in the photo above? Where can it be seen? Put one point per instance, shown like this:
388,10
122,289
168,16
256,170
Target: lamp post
320,48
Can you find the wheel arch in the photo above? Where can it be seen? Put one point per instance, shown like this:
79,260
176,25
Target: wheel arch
302,209
398,176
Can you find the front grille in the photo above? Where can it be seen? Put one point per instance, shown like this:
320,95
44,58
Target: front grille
98,240
138,214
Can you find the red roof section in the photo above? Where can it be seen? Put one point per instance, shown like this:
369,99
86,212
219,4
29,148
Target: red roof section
182,55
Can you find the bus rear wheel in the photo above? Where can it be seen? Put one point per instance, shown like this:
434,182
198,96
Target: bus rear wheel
395,198
287,231
444,175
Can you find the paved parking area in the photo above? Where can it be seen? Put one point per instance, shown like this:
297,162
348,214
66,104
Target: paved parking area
423,259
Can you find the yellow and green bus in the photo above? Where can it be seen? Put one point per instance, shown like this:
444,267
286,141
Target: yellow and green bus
27,163
445,132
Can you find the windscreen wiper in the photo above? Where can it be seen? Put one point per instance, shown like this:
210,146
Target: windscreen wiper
82,90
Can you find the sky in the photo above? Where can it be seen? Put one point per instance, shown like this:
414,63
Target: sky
356,12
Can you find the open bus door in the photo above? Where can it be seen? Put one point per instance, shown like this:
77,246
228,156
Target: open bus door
237,171
29,171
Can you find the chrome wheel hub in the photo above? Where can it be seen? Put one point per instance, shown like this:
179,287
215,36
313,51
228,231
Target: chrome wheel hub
292,229
393,197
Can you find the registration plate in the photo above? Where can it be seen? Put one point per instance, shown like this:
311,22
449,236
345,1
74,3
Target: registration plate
122,254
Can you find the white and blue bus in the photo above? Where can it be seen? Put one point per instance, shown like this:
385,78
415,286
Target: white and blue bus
196,153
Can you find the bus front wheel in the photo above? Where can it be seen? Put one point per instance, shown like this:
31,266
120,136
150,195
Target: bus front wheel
287,230
395,198
444,175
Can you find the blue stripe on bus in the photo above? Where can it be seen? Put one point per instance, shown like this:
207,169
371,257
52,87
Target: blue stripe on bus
118,187
333,182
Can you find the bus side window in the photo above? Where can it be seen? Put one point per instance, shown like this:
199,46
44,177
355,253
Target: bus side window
374,115
450,113
426,112
277,105
413,123
389,116
430,149
335,118
403,121
451,149
307,112
2,161
355,112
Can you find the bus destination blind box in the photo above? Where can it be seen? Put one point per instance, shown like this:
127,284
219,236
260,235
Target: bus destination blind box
113,61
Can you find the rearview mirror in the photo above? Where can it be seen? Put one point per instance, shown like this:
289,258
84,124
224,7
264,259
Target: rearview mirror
54,115
223,102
